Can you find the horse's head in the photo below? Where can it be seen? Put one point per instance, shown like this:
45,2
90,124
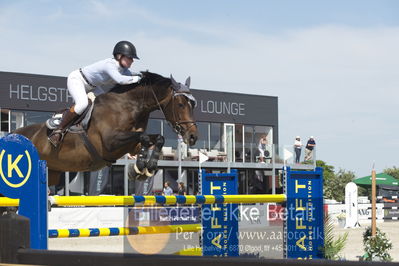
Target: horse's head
179,111
175,101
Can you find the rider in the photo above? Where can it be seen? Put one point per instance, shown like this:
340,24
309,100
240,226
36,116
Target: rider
100,75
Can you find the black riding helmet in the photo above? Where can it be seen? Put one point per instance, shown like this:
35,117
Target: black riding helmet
125,48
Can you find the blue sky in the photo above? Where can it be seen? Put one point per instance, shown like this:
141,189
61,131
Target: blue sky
333,63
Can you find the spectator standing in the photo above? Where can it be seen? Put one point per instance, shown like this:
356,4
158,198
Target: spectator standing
263,152
297,148
182,189
167,191
310,145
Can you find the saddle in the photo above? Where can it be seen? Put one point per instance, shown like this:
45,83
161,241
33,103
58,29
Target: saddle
79,127
82,123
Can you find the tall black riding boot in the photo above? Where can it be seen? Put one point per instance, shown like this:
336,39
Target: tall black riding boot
67,119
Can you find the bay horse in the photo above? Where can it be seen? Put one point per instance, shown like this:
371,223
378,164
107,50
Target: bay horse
117,125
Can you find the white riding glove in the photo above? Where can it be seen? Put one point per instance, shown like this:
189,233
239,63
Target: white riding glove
91,96
136,79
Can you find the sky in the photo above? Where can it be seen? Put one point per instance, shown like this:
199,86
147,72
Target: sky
333,64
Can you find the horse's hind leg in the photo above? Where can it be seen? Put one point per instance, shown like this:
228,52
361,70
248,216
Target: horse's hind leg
152,163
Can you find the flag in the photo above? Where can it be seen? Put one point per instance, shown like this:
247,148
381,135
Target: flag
287,154
202,157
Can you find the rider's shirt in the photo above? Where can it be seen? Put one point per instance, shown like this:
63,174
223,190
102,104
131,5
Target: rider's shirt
107,73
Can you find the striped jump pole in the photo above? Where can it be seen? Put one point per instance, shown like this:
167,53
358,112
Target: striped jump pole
7,202
385,208
131,200
388,212
152,200
123,231
387,197
385,218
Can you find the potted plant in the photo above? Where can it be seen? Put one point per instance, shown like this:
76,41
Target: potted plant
332,245
376,247
341,219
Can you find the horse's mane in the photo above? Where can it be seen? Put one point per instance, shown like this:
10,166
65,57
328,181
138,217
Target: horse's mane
148,79
152,78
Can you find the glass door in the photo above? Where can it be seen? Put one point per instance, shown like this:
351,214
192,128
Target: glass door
239,143
229,143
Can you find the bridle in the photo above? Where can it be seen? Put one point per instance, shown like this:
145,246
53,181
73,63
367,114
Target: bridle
178,123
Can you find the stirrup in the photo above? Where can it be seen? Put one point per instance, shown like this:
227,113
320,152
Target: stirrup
55,144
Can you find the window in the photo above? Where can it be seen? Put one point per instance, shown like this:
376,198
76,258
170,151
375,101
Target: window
154,126
242,182
170,136
17,120
4,120
170,176
216,133
252,135
249,143
203,140
33,117
25,118
260,131
192,182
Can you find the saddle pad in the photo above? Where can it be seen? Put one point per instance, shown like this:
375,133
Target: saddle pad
53,122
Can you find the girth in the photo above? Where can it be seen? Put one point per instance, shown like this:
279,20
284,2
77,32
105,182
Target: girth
90,147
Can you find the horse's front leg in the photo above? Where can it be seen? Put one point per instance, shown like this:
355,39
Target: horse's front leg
142,156
152,164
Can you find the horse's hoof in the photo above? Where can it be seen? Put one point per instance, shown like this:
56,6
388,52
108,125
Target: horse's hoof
148,173
152,165
138,171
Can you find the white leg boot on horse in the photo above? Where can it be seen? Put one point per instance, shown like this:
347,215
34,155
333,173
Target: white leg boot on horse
68,118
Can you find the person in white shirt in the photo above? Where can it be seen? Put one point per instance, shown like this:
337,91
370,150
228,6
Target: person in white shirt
263,152
297,148
167,190
99,76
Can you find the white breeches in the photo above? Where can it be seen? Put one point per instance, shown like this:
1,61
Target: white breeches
78,88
